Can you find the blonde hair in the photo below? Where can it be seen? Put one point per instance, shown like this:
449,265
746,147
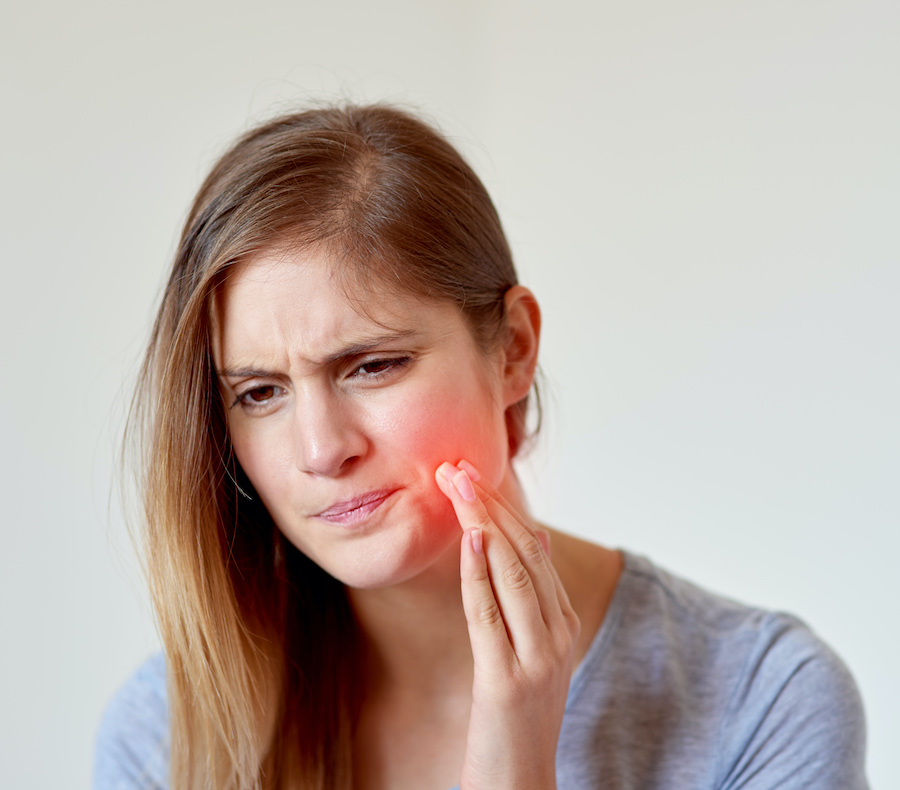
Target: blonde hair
263,681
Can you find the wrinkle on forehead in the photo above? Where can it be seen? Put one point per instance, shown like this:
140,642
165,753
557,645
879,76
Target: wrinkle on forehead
386,307
363,287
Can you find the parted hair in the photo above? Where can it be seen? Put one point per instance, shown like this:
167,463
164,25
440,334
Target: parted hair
262,655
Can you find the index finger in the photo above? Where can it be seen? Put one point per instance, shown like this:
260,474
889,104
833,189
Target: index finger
492,492
521,522
489,492
521,536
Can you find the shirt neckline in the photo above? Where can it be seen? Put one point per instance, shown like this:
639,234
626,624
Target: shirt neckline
603,639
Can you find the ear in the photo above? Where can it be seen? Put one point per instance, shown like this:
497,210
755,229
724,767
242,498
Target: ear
520,350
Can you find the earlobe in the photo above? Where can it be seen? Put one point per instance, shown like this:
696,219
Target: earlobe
523,317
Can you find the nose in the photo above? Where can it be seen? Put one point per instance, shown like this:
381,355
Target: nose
327,439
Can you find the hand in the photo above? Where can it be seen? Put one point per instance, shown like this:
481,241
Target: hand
523,632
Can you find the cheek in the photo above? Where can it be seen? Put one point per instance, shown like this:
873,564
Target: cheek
266,458
447,424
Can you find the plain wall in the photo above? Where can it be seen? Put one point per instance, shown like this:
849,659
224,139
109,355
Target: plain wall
704,196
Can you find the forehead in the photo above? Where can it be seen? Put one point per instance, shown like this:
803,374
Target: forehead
287,303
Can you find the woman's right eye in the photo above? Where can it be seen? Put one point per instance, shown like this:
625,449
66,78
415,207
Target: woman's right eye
257,397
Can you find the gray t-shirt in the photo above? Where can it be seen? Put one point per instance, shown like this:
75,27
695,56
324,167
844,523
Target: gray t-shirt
680,689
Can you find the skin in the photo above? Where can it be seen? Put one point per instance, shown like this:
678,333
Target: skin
472,631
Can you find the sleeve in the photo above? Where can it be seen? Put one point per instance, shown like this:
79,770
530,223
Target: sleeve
132,747
796,718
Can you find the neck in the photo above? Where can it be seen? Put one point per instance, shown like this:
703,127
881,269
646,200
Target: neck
415,633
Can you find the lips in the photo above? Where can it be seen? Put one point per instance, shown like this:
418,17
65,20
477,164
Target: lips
353,510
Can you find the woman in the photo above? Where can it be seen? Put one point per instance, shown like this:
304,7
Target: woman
349,588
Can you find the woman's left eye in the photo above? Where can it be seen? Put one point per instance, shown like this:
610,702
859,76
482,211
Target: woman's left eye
380,367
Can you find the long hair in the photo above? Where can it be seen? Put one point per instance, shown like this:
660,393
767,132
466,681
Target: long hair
260,642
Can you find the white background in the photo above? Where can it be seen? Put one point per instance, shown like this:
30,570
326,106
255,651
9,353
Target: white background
704,195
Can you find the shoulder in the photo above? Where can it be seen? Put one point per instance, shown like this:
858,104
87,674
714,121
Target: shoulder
795,710
132,748
778,705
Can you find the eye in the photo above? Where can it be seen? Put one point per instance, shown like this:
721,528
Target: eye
257,397
378,368
260,394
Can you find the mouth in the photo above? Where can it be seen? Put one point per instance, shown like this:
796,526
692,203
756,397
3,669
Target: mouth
351,511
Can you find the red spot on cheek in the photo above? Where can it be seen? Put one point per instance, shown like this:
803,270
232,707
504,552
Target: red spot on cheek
448,426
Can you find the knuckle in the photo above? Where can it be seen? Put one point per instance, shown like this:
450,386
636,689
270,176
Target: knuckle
568,628
574,625
486,612
531,549
517,578
478,577
482,519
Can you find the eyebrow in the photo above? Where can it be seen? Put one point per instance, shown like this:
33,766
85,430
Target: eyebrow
352,350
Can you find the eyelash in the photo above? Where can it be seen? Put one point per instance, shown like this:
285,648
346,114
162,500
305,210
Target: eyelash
388,366
243,398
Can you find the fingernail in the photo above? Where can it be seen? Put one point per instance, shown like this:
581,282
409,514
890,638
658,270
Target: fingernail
470,470
447,470
477,541
464,486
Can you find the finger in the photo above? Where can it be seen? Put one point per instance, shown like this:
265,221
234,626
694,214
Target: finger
530,550
541,534
501,512
521,601
532,545
491,496
526,542
475,476
491,646
488,493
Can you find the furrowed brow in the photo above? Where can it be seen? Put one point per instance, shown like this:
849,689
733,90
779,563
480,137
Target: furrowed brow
365,346
245,373
347,352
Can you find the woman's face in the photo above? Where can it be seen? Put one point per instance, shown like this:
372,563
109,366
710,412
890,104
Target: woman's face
340,414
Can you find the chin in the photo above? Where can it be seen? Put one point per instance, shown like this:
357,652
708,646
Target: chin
380,564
